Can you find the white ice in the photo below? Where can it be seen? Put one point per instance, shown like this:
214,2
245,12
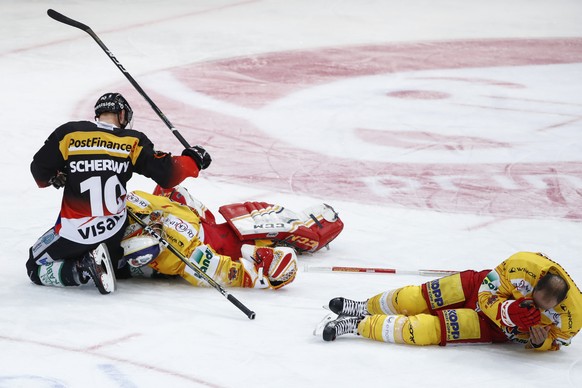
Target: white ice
167,333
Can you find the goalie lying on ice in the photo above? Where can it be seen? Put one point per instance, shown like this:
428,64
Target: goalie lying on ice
256,246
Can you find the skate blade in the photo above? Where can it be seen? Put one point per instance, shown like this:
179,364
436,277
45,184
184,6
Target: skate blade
318,331
108,279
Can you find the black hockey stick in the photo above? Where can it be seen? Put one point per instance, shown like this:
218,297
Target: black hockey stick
63,19
250,314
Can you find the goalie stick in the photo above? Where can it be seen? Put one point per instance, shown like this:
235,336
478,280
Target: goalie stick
336,269
71,22
250,314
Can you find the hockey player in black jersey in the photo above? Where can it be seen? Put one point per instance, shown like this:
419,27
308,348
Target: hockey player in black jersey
93,161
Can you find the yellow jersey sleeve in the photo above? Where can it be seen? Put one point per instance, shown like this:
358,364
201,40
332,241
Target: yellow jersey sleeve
516,277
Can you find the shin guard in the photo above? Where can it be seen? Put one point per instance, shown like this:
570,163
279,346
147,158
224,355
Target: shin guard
422,329
405,300
461,326
58,273
444,292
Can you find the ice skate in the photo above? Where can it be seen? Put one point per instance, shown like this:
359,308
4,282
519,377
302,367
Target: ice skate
98,266
347,307
321,325
341,326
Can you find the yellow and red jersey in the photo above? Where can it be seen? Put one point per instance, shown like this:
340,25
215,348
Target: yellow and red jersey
182,228
515,278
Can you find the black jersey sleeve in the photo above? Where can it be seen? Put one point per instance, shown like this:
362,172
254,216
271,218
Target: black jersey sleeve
166,170
48,160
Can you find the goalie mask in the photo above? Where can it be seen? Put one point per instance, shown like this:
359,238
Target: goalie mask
140,250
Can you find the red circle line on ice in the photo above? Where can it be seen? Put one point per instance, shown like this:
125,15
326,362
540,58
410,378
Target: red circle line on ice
479,127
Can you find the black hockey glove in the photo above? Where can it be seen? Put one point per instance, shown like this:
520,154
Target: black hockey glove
200,156
58,180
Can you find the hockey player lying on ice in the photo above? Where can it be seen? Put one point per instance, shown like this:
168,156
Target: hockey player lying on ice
255,247
527,299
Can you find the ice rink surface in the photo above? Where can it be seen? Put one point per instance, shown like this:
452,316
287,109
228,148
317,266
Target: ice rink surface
446,134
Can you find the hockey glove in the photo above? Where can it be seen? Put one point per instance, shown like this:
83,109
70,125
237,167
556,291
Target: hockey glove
521,313
200,156
268,267
59,180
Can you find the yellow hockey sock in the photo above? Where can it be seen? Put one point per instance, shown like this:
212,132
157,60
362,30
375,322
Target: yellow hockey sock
422,329
405,300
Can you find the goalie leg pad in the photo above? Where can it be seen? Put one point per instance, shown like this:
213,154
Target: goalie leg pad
325,223
306,232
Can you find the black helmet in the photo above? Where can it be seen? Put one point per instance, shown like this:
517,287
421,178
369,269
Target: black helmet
114,103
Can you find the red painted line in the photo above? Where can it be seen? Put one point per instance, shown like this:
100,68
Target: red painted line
90,351
111,342
558,125
536,111
128,27
546,102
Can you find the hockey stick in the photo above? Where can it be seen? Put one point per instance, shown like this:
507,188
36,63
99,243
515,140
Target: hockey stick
422,272
250,314
63,19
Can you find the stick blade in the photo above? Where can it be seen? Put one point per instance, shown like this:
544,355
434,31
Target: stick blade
59,17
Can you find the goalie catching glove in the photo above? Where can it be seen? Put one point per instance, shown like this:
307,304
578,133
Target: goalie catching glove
268,267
